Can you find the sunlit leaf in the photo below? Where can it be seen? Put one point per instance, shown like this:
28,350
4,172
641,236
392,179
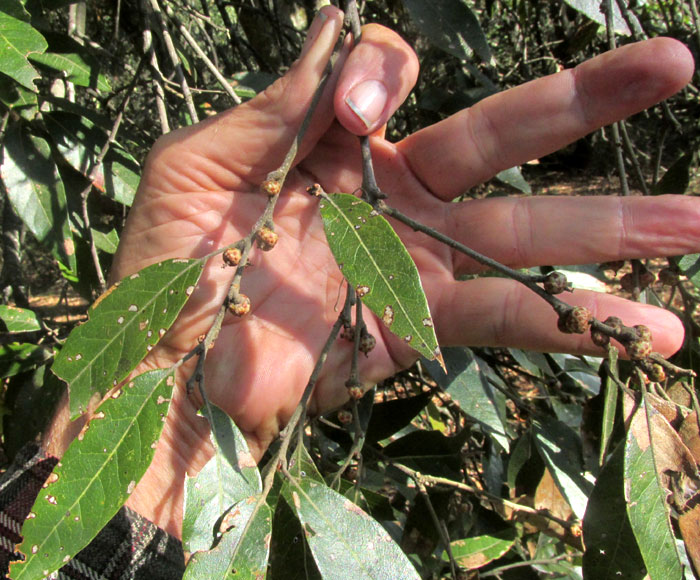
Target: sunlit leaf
475,552
18,40
610,404
591,8
514,178
18,319
560,448
75,68
344,540
645,494
20,357
106,242
469,387
243,548
124,324
611,550
80,141
95,475
229,478
376,263
452,26
36,192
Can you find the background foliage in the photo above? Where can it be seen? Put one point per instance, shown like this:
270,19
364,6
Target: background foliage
516,464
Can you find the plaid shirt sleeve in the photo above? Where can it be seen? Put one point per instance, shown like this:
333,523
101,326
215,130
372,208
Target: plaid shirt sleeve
128,547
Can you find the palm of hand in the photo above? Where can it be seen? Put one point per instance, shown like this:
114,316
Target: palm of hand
261,363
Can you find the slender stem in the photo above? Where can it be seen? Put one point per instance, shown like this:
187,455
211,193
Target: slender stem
175,60
209,64
149,50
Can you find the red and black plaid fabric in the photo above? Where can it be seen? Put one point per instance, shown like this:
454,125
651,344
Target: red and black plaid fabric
128,547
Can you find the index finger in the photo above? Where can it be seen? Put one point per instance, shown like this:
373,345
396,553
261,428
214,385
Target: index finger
541,116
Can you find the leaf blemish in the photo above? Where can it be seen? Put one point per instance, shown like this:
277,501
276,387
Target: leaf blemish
149,334
35,549
143,325
189,290
133,308
170,381
30,516
388,316
408,338
50,479
134,276
428,322
51,499
362,290
120,320
161,332
78,356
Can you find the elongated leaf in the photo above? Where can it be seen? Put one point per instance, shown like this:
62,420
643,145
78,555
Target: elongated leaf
344,540
610,404
690,266
473,553
75,67
18,319
244,546
560,448
80,141
375,262
123,326
646,502
470,388
611,550
96,475
18,39
227,479
290,555
451,26
36,192
514,178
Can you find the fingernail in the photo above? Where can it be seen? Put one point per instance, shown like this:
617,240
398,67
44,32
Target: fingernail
313,32
367,100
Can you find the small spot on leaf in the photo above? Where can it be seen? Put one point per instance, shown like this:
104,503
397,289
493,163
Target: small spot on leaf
51,499
189,290
134,276
143,325
130,487
120,320
362,290
78,356
133,308
388,316
408,338
428,322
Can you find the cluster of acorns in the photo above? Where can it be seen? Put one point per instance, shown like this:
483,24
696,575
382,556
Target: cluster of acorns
266,239
578,320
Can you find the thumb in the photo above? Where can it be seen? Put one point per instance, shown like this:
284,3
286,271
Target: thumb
242,145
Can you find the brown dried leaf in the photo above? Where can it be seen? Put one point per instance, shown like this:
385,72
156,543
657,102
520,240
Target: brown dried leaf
689,524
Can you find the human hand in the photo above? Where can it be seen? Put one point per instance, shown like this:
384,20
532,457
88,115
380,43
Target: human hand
200,191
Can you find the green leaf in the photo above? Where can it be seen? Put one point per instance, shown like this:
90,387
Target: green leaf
375,262
591,8
473,553
16,97
611,550
452,26
514,178
18,319
344,540
16,358
227,479
290,555
690,266
80,141
16,9
646,502
471,390
609,406
76,69
106,242
677,177
18,40
243,549
96,475
124,324
560,448
36,192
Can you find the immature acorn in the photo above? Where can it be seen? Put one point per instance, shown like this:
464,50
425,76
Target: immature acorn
355,392
239,307
643,332
599,339
344,417
271,187
638,349
556,283
656,373
575,321
266,238
367,342
232,257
